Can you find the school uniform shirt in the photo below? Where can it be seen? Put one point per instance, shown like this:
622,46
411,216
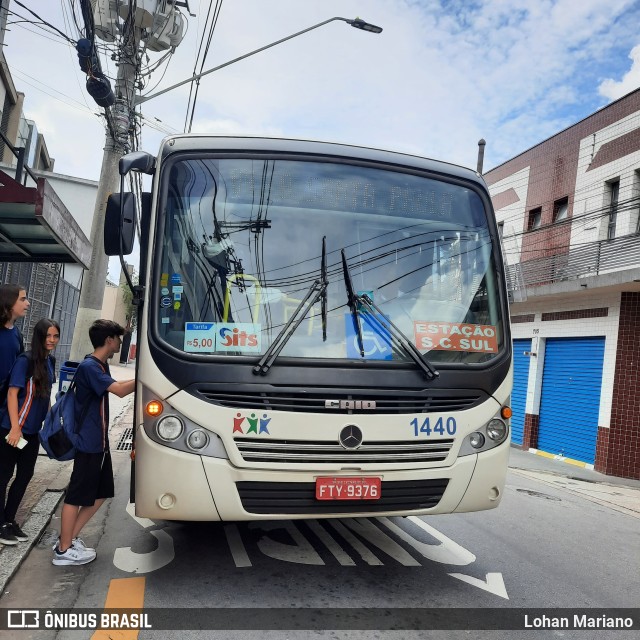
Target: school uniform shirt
32,408
10,348
92,379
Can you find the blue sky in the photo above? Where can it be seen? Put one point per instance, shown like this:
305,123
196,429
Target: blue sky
442,75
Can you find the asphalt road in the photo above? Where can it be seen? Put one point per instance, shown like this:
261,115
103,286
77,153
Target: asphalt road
563,537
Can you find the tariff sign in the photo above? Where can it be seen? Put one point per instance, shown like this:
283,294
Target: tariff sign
200,337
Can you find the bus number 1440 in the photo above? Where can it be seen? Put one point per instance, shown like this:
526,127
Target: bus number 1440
441,427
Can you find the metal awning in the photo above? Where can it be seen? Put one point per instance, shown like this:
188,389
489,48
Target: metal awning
35,225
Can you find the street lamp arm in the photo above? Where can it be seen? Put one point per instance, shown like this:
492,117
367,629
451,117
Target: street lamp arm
357,23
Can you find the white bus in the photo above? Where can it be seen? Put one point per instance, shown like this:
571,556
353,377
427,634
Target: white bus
323,332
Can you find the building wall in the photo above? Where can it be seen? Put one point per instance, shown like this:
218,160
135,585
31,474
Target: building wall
619,446
606,155
581,163
113,305
579,317
553,170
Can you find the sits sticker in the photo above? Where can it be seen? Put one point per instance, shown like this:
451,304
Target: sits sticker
245,337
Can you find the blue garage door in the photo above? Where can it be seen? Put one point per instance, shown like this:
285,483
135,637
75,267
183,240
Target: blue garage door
570,401
519,393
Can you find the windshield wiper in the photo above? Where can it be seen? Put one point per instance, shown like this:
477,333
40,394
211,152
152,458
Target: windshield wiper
317,291
377,315
325,281
352,298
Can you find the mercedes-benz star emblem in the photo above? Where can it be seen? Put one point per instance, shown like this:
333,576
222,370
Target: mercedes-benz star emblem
351,437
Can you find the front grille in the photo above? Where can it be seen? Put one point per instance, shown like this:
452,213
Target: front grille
300,497
327,452
389,401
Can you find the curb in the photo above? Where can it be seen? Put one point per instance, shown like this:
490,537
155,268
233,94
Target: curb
559,458
14,555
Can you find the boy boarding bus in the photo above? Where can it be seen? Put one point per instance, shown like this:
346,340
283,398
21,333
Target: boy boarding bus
323,332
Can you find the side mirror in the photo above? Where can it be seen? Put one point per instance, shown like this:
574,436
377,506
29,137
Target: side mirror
118,238
137,161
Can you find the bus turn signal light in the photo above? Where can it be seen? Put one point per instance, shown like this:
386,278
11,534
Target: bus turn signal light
154,408
506,412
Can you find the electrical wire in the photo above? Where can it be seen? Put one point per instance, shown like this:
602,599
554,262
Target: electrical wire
194,86
64,35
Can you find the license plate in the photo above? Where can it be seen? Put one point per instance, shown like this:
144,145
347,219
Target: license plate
348,488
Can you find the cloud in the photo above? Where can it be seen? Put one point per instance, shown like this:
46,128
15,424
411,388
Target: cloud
438,78
613,89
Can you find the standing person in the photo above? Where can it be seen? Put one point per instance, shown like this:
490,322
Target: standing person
27,403
13,306
91,481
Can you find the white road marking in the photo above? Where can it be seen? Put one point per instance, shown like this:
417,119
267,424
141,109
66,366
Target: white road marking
302,552
132,562
365,554
447,552
365,528
336,550
236,546
493,584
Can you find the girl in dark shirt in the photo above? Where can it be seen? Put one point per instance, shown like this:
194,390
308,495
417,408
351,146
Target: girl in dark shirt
13,306
28,400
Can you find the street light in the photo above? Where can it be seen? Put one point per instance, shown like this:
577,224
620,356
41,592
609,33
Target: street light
93,287
357,23
365,26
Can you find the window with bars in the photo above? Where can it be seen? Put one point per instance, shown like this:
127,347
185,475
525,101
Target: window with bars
535,219
560,209
613,189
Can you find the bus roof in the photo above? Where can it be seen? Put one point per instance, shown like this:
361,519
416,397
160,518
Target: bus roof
245,143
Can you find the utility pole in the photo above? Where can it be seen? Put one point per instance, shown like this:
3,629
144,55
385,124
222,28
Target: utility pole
162,30
116,144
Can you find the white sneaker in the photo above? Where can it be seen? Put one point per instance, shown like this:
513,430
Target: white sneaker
76,542
72,556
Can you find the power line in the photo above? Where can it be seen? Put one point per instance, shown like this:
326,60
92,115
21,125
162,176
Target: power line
191,105
64,35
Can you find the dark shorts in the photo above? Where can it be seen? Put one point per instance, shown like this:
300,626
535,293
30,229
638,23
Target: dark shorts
91,479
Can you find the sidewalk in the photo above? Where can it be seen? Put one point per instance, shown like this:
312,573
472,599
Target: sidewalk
46,489
621,494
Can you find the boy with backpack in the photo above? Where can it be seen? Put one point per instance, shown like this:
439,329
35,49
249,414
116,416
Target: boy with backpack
91,480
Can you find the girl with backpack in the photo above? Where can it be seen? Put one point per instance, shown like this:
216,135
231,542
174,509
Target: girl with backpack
21,416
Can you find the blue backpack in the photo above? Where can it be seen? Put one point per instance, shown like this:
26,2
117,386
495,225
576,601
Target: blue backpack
59,433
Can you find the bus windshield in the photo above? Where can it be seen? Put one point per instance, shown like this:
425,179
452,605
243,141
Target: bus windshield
240,244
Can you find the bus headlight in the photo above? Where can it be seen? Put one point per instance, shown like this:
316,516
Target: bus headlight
476,440
497,430
197,439
176,431
169,428
493,434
